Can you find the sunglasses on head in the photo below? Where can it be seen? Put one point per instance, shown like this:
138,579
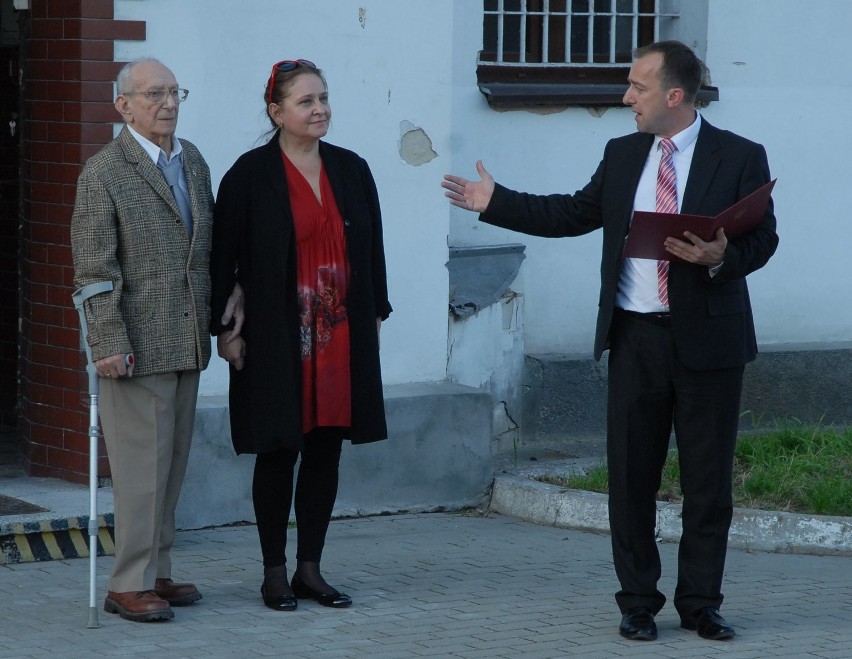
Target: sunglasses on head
284,66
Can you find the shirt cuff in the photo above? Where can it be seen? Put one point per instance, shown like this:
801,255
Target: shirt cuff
714,269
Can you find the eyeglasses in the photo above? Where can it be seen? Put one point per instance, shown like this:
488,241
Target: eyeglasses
159,95
284,66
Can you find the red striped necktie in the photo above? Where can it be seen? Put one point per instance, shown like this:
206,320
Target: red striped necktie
666,203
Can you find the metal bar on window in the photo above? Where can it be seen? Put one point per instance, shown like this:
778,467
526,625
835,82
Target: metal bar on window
590,29
522,43
567,31
500,16
613,19
657,19
545,37
634,33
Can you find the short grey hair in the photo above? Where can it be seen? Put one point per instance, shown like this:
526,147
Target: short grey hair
123,79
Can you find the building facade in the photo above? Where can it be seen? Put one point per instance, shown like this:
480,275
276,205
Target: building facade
414,90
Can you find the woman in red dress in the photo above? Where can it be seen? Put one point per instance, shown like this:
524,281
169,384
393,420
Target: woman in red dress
298,225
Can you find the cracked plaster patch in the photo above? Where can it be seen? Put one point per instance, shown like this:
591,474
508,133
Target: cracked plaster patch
415,147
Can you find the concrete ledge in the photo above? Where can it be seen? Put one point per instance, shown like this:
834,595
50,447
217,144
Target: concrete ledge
57,539
438,456
565,395
61,527
217,486
750,529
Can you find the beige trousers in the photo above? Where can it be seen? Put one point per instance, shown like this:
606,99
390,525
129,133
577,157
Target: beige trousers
147,425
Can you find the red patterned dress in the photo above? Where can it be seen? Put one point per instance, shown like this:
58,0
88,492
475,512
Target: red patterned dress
322,276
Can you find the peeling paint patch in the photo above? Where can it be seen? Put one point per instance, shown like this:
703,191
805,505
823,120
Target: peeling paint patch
547,109
362,17
415,147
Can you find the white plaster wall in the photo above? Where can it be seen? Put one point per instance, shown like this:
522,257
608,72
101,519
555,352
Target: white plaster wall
784,79
486,350
541,153
387,62
787,83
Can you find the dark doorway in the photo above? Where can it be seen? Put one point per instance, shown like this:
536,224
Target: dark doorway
10,128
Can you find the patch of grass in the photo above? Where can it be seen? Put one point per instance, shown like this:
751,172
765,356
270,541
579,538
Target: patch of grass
795,468
594,480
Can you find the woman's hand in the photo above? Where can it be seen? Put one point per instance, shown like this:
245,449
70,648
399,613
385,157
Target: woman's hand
235,308
232,349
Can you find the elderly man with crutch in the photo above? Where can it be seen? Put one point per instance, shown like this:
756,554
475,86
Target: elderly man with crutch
142,222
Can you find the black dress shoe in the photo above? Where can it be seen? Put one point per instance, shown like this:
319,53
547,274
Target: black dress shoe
279,602
333,599
709,624
638,624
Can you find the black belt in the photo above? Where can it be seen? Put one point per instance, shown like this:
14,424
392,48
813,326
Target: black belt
652,318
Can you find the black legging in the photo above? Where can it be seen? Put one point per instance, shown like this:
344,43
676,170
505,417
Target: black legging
316,491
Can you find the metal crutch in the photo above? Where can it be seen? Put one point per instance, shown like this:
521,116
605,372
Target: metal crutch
79,297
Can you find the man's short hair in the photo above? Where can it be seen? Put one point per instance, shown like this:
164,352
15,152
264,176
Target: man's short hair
681,67
122,81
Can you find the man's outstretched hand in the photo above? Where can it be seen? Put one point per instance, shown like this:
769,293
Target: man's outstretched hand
470,195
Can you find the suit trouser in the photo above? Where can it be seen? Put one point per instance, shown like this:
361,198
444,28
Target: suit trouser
147,424
649,391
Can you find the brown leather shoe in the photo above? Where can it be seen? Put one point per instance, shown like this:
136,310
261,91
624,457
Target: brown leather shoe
176,594
138,606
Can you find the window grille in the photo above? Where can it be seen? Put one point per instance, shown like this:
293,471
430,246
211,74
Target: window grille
576,33
562,53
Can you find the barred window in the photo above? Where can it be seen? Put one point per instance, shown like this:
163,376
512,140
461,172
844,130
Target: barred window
576,52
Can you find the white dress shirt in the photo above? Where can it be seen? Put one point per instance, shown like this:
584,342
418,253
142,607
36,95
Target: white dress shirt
154,152
637,286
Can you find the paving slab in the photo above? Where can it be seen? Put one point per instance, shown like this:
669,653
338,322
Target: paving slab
430,585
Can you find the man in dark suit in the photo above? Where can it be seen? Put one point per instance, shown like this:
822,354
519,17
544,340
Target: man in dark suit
147,232
679,332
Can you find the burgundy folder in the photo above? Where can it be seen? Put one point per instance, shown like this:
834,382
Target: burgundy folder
649,230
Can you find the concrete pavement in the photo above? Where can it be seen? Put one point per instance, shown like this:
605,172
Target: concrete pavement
480,583
431,585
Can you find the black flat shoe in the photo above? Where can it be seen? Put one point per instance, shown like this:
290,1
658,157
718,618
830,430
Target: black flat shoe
279,602
709,624
638,624
333,599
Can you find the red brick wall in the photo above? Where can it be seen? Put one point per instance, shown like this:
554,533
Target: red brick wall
8,241
68,96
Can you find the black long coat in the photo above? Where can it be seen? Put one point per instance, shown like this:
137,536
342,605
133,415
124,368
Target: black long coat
254,243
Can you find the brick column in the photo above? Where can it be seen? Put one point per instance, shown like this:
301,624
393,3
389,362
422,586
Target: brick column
9,214
69,116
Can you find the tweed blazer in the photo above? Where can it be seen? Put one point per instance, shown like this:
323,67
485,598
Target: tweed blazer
127,229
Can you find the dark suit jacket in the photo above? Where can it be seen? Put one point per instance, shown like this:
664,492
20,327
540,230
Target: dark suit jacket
127,229
711,317
254,243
